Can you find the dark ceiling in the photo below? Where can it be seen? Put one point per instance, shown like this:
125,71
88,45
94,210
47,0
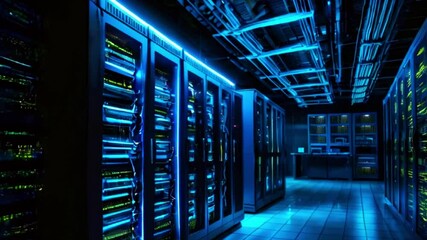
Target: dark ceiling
297,52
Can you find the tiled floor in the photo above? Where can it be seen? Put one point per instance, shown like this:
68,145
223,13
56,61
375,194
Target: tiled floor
325,209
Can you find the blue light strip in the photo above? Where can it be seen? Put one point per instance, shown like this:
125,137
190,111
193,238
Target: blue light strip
210,69
114,225
120,68
117,188
178,157
163,37
296,72
155,31
118,109
115,156
117,213
117,180
309,85
282,19
118,148
288,49
105,198
118,121
131,14
20,63
117,142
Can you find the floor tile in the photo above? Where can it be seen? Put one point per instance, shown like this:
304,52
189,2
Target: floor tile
333,209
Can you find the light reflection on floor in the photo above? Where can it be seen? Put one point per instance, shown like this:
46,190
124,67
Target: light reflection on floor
325,209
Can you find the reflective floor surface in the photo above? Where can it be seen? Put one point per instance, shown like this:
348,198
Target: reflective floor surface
325,210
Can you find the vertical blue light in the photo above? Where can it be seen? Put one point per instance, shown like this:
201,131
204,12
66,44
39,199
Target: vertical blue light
177,127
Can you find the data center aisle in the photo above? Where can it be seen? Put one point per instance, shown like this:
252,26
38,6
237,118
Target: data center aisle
325,209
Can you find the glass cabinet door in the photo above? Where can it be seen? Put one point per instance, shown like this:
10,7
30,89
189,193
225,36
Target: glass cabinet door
269,146
121,139
395,146
213,156
340,131
238,154
365,145
195,158
280,156
402,146
318,133
410,152
164,145
225,152
259,146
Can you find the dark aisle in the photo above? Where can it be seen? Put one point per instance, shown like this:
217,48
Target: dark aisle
325,209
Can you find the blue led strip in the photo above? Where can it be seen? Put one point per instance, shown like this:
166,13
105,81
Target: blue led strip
210,69
164,38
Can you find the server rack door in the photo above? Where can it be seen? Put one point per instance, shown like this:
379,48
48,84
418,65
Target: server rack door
409,149
194,154
280,153
402,146
226,154
365,145
21,150
317,133
122,128
283,159
420,138
161,173
340,132
237,134
268,146
259,148
250,150
275,150
395,119
213,167
387,146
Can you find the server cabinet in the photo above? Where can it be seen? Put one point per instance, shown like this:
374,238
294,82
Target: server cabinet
318,133
387,147
213,164
264,161
329,133
161,126
21,139
365,145
237,158
420,136
213,158
115,134
124,57
340,133
405,118
196,153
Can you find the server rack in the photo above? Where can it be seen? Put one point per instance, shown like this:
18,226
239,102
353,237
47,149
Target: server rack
340,133
212,170
365,145
405,149
184,173
318,133
123,90
161,125
264,163
329,133
113,130
21,139
195,159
